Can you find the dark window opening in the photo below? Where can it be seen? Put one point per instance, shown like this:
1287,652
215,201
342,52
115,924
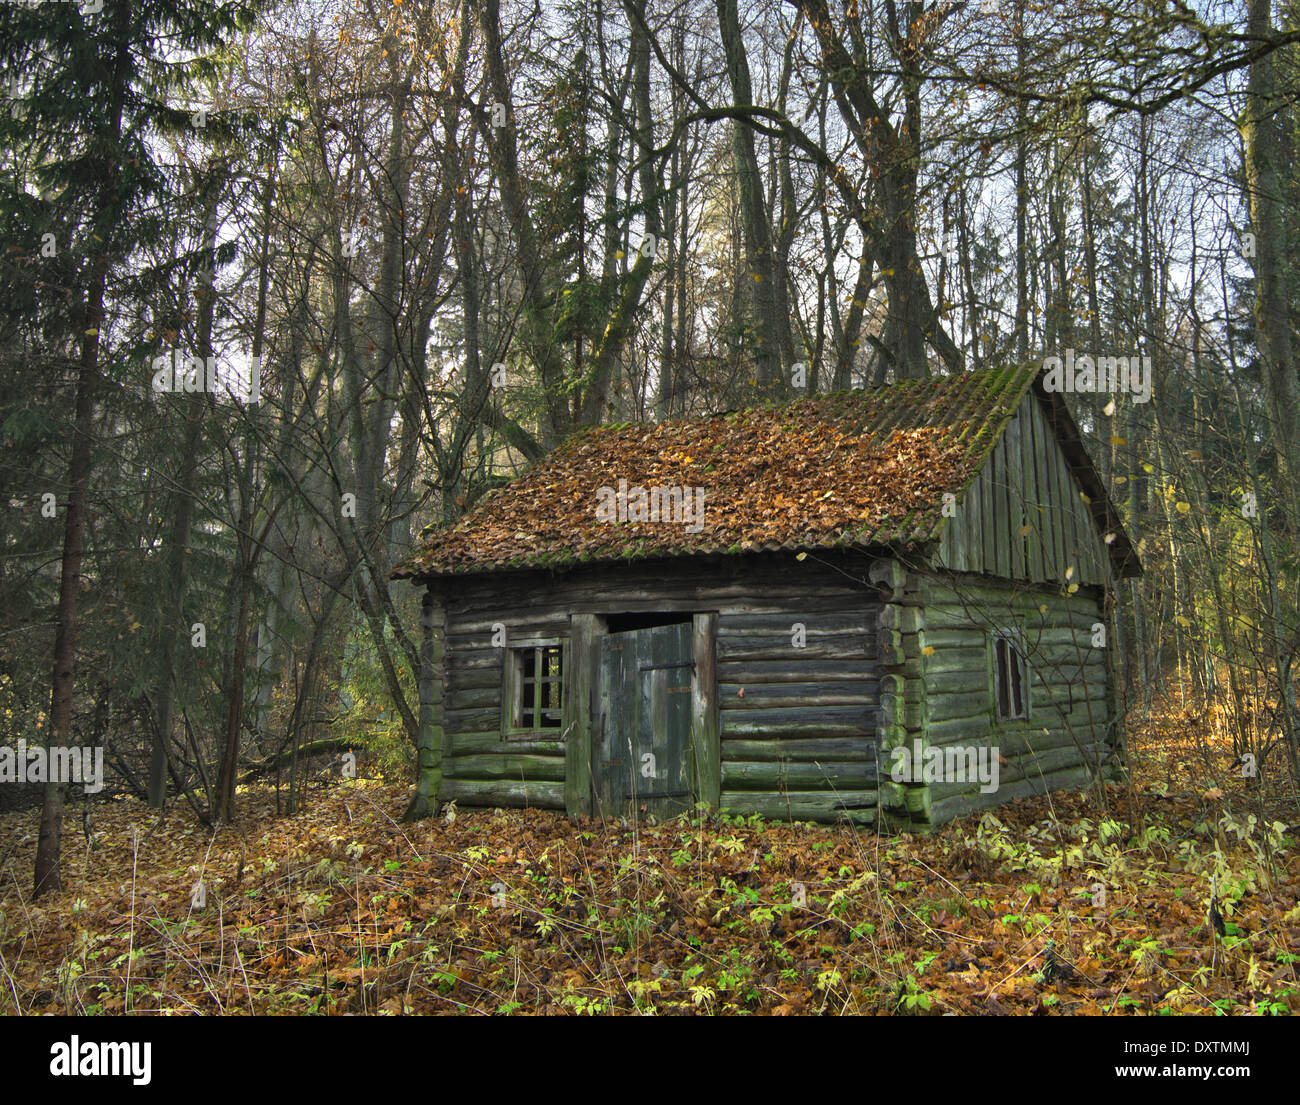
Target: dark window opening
627,623
1010,679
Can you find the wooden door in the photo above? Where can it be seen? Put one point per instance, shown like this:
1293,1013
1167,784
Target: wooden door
646,682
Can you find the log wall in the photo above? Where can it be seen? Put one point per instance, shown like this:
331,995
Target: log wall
937,671
795,718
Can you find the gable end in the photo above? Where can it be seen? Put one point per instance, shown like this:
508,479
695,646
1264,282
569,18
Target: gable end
1037,509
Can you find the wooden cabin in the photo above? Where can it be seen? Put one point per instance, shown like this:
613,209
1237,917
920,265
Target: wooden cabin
843,607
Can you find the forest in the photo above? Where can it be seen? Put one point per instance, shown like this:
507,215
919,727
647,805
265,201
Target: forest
283,283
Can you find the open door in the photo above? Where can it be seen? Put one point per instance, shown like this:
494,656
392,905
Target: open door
646,762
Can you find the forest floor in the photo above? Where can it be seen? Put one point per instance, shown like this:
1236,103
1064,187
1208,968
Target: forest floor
1067,904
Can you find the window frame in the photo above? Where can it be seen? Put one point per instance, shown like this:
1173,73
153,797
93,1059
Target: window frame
513,684
1014,640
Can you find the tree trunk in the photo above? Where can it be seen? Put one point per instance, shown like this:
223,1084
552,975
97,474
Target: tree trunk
762,276
1268,154
175,631
1021,332
50,839
49,842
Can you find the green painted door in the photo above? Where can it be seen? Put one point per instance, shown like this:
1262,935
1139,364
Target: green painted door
646,678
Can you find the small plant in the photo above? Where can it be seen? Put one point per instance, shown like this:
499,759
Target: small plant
642,989
701,995
583,1005
911,998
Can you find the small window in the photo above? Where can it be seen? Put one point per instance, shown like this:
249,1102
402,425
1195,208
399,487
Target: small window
1010,678
535,687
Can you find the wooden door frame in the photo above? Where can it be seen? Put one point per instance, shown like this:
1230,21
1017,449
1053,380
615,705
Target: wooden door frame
705,734
584,715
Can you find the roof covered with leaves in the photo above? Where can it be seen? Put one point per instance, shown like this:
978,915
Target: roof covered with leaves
855,468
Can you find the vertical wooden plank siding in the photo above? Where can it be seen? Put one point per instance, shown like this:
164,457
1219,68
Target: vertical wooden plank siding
1015,497
970,520
1029,482
1006,533
1026,479
989,517
1068,492
1052,554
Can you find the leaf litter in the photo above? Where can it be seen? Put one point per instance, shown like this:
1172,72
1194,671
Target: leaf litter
1063,904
